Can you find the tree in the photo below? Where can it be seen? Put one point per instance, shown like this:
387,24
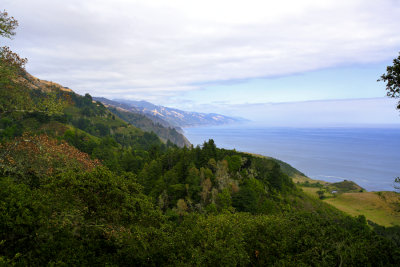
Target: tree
30,159
392,79
10,65
9,61
181,207
7,25
321,194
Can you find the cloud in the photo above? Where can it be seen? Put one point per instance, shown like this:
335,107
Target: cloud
149,49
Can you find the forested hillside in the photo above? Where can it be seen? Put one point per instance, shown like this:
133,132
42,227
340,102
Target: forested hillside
146,122
81,186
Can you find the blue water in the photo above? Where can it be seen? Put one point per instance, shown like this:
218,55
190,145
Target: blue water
368,156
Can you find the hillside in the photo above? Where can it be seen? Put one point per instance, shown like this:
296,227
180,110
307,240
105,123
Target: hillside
109,193
144,123
379,207
162,128
81,186
43,93
126,107
35,83
179,118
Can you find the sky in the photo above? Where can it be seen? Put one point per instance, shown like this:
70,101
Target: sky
242,58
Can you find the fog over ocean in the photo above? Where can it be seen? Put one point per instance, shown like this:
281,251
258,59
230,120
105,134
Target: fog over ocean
369,156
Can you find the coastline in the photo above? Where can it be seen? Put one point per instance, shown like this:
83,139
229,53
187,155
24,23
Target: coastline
368,157
379,206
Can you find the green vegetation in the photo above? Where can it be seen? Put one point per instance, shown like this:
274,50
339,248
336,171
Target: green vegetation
392,79
81,186
97,190
144,123
379,207
332,188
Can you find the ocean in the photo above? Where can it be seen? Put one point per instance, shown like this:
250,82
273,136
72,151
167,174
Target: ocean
368,156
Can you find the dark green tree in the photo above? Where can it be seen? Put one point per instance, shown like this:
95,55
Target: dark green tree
392,79
321,194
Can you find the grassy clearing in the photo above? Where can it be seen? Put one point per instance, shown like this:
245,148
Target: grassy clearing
311,191
382,208
302,179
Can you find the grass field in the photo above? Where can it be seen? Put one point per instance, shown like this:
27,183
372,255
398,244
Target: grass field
382,208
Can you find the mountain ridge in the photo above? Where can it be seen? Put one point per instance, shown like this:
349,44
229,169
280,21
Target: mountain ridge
129,108
53,91
178,117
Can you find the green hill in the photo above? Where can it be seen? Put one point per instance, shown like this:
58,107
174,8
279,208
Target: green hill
379,207
144,123
80,186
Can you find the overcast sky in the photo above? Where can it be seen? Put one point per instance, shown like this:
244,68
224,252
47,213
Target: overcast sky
213,55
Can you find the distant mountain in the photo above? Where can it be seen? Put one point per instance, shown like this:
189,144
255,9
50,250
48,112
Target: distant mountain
178,117
133,109
135,117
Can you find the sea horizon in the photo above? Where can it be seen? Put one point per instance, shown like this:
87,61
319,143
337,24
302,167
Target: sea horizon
365,154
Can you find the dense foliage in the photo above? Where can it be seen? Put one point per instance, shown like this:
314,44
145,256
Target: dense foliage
392,79
80,186
162,205
96,216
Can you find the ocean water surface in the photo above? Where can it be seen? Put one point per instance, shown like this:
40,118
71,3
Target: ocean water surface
368,156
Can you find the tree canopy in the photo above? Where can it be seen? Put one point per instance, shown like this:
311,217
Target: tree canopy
392,79
7,25
9,61
10,65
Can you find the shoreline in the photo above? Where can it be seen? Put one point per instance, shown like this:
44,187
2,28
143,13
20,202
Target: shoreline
333,155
